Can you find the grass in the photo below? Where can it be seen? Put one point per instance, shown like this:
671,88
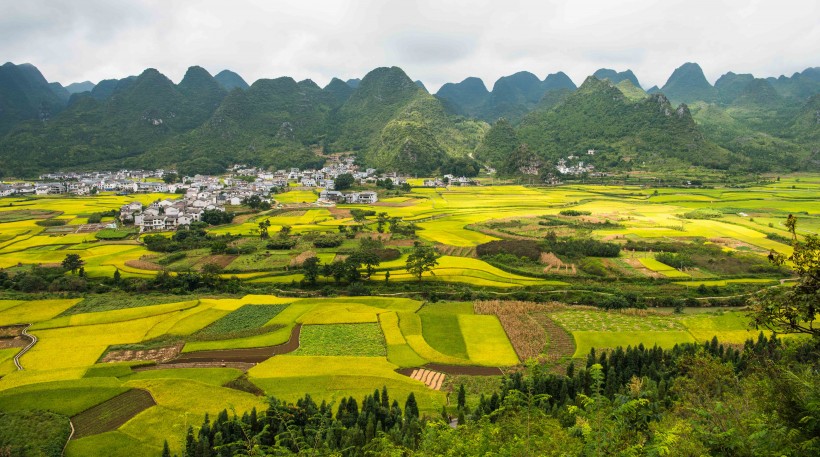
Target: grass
360,340
212,376
111,444
586,340
442,332
486,342
289,377
113,301
63,397
35,311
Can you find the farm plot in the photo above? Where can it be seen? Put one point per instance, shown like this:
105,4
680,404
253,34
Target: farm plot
109,415
525,333
245,321
662,268
486,342
361,340
606,330
289,377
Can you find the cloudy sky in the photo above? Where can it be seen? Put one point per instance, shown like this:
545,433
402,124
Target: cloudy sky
436,41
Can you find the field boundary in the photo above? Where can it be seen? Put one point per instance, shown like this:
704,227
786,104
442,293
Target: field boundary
218,357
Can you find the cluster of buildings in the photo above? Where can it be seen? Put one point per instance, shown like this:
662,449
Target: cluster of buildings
334,196
567,167
449,180
171,214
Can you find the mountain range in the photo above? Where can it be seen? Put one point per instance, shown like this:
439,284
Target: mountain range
390,121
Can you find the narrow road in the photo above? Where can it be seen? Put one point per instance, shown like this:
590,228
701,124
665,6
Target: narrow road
25,349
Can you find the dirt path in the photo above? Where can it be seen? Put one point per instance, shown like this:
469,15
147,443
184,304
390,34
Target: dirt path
33,339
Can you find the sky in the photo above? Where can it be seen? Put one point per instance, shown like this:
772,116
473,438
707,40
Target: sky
434,41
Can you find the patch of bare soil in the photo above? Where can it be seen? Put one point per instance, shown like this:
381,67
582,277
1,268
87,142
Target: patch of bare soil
159,355
218,259
143,265
556,265
339,213
400,243
12,337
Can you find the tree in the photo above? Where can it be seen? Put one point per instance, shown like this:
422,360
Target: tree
343,181
166,451
791,225
381,219
422,258
72,262
311,267
263,229
284,231
462,397
792,309
253,202
170,178
117,276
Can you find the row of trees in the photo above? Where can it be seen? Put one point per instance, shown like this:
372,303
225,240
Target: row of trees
422,258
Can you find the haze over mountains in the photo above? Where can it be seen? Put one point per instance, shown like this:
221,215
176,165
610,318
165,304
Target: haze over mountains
206,122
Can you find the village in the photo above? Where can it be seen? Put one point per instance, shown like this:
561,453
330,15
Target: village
199,194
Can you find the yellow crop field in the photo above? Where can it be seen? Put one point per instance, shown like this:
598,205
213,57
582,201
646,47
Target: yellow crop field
486,342
35,311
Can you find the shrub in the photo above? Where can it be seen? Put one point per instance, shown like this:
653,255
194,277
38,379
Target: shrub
281,243
675,260
579,247
574,212
328,241
518,248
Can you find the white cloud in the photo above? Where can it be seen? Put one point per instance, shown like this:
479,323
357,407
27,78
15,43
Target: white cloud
435,41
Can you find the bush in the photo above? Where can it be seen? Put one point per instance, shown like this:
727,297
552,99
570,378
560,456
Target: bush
574,212
171,258
281,243
593,267
386,254
328,241
675,260
518,248
579,247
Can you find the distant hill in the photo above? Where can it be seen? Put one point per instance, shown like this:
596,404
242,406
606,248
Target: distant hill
616,77
229,80
467,96
25,95
76,88
622,131
512,96
688,84
204,123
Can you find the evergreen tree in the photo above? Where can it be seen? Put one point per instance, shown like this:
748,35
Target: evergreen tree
411,409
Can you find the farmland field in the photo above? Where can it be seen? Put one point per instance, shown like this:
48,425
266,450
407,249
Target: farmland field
114,329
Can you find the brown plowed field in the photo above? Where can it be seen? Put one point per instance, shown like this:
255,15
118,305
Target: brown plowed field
454,370
110,414
251,355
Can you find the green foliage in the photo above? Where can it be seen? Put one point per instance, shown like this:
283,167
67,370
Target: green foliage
343,181
113,234
360,340
248,317
421,259
792,309
33,433
598,116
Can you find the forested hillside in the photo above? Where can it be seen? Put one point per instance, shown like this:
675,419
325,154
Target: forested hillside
205,123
